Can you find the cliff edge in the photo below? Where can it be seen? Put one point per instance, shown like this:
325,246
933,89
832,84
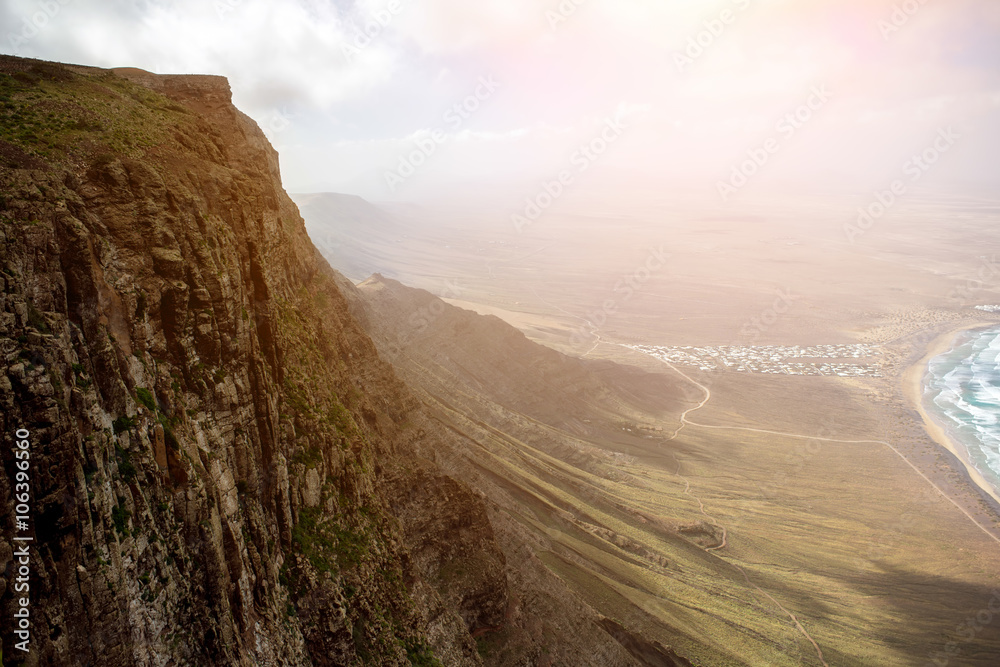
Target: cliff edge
222,468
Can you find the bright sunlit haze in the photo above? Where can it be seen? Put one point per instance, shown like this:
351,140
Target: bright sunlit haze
698,85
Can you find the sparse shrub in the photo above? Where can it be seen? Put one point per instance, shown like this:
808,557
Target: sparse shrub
327,545
341,419
420,654
310,457
83,126
56,382
104,159
36,320
125,467
170,438
120,516
123,423
146,398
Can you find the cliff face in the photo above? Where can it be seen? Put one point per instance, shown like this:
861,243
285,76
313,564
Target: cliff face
222,467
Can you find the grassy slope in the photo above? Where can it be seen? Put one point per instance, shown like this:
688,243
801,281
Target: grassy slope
876,567
63,119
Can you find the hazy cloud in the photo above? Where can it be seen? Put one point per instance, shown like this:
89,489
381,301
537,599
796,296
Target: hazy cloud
357,81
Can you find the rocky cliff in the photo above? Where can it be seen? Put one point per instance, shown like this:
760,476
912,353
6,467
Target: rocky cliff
222,468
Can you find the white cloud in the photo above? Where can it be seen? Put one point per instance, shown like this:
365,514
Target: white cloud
274,53
287,57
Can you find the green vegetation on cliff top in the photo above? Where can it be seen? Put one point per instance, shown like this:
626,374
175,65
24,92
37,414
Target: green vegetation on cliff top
58,116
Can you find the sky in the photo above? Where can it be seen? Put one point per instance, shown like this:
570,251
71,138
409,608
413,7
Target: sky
412,100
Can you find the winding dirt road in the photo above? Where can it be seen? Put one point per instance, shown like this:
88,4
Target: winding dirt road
687,490
684,421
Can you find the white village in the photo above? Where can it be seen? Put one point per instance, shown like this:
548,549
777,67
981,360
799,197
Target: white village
849,360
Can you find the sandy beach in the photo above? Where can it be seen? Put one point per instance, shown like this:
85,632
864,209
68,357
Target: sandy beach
913,388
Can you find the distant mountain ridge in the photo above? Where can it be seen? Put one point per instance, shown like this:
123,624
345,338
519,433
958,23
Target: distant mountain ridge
349,231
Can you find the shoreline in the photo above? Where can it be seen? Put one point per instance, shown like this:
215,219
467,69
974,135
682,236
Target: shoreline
913,389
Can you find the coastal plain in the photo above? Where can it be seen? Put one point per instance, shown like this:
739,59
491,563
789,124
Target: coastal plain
828,525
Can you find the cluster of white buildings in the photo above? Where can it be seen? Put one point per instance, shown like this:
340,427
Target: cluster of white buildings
989,309
826,360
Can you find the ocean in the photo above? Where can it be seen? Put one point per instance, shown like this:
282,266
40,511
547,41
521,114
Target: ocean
962,393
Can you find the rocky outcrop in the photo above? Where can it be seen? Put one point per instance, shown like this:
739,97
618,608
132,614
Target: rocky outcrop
653,654
222,467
